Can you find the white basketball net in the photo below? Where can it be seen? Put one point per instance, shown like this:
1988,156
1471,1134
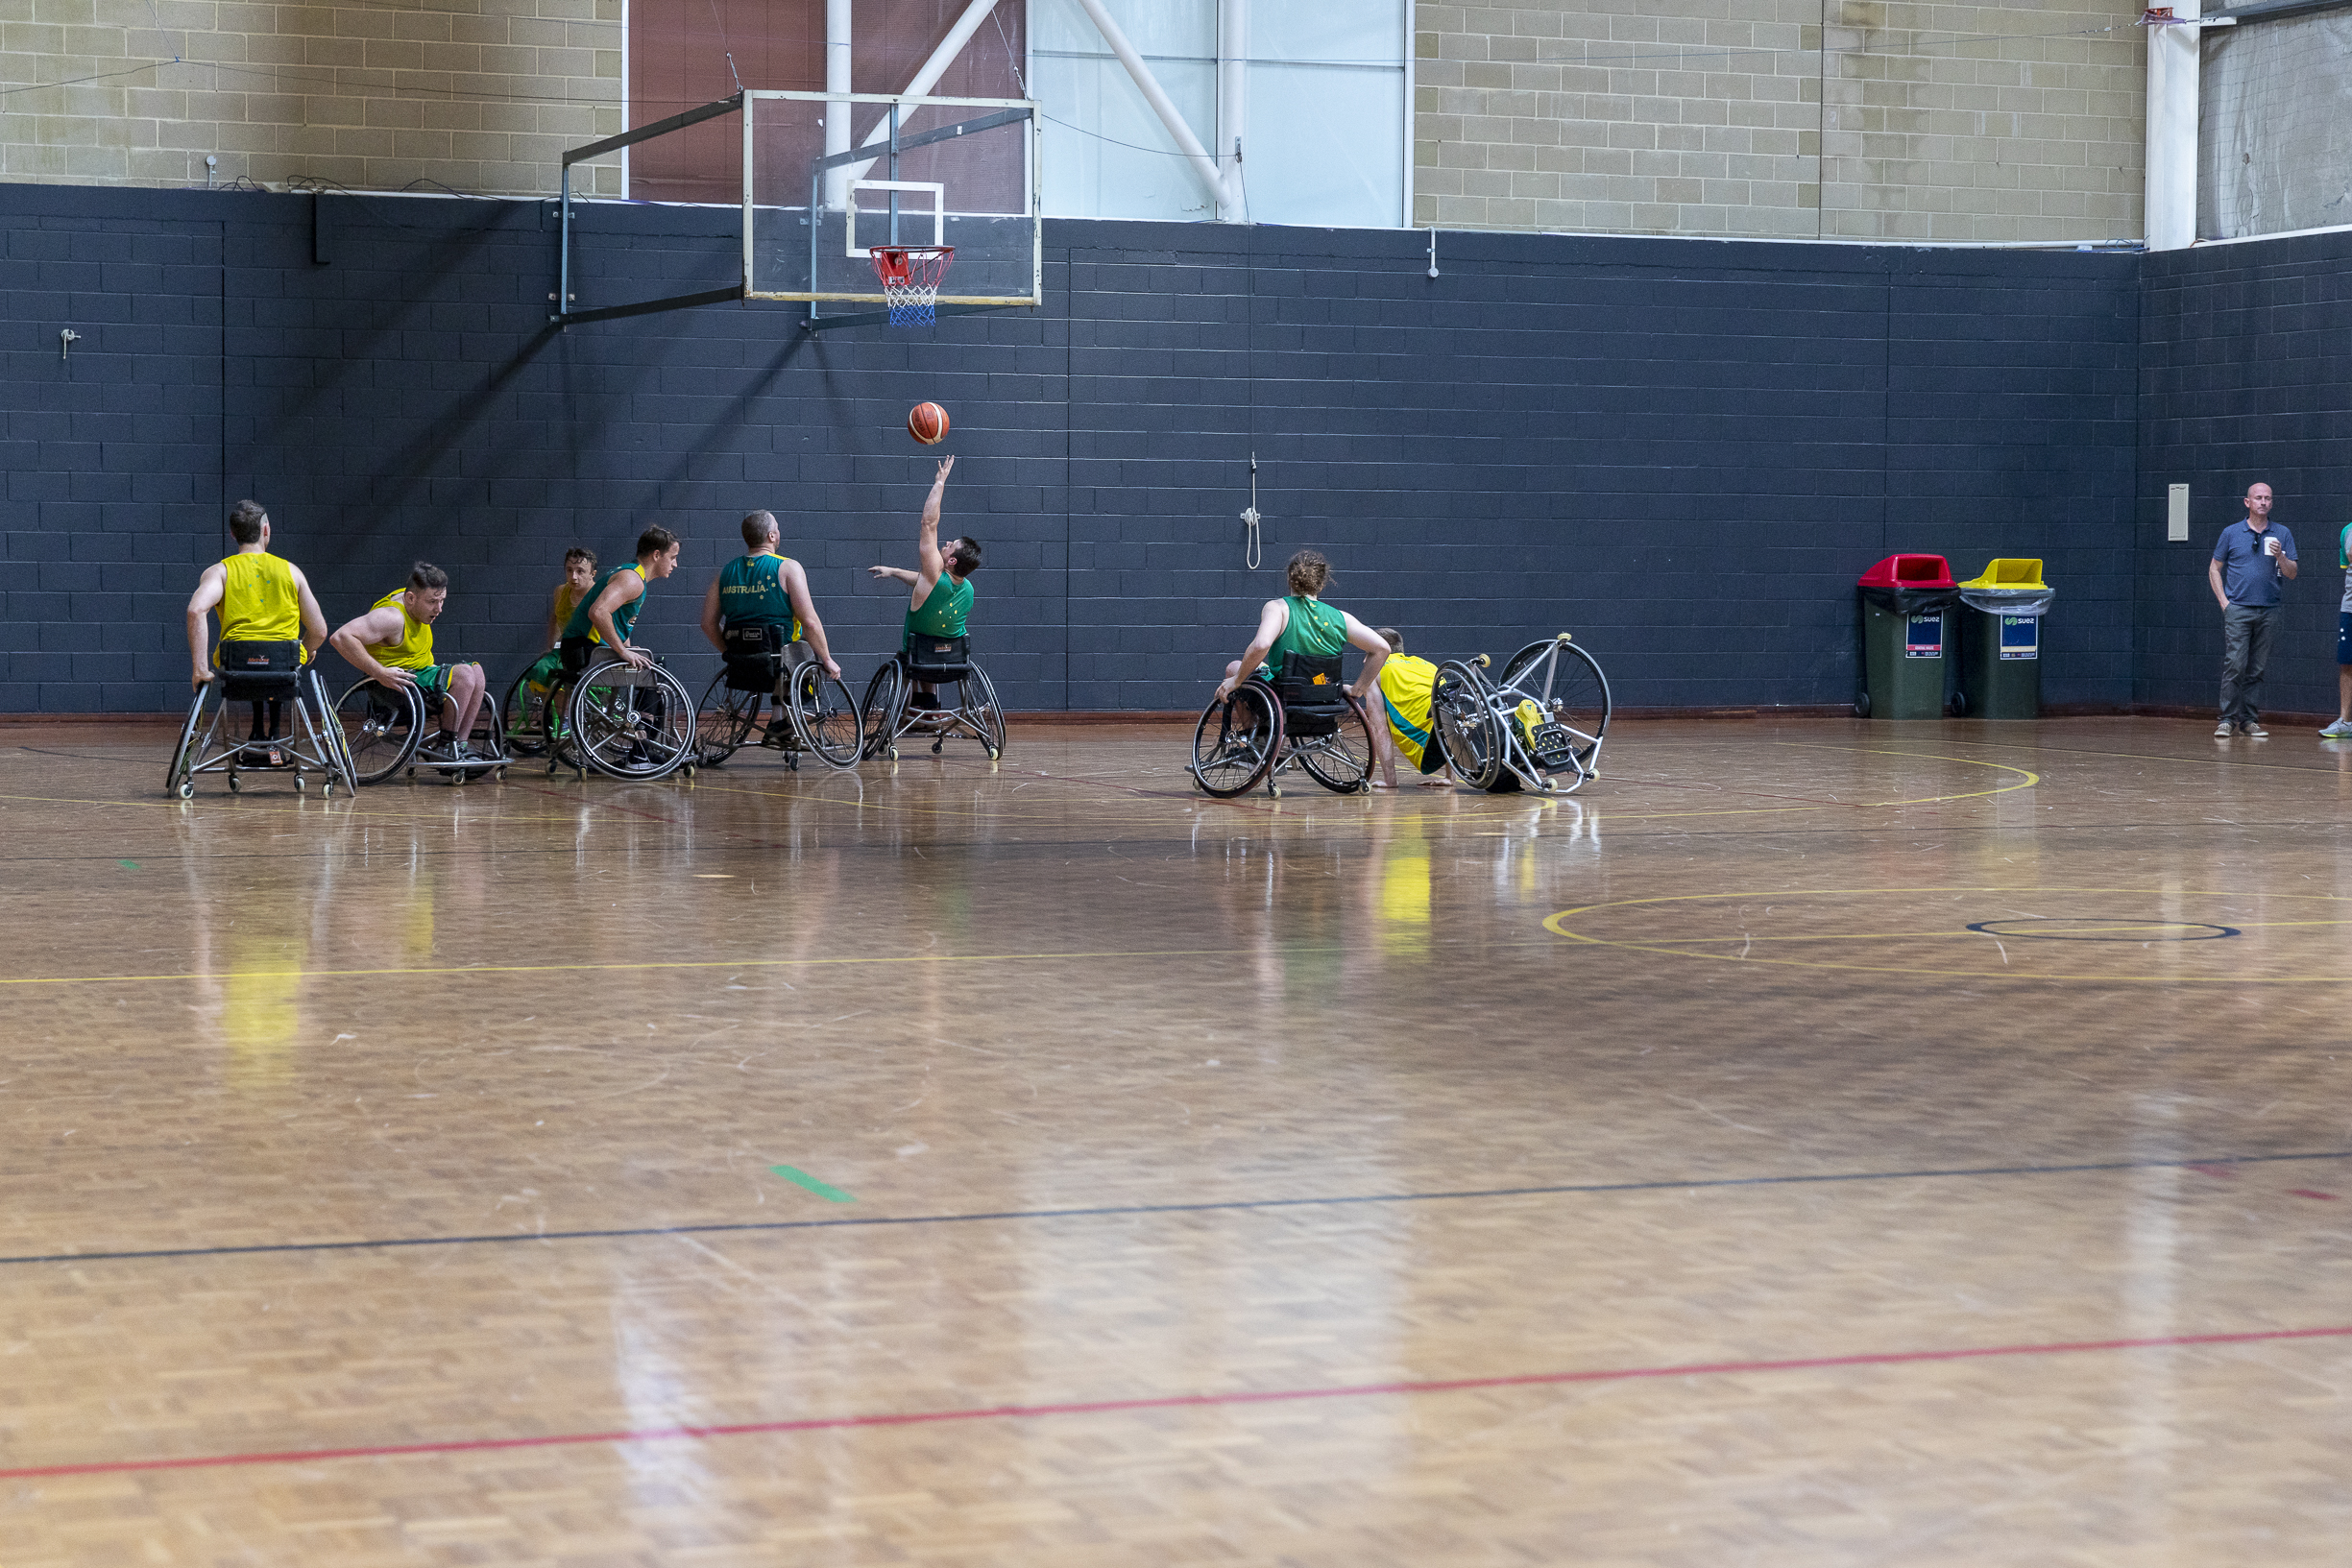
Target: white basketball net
910,276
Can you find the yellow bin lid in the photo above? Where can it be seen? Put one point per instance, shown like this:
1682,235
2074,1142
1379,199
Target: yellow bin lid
2015,575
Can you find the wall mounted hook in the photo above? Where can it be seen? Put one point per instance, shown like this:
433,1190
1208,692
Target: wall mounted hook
68,337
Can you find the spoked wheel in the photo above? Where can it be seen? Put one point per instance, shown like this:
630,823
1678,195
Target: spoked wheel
826,716
1467,730
723,721
988,715
635,724
181,780
1236,743
331,735
523,714
555,728
1340,761
381,726
1566,683
885,695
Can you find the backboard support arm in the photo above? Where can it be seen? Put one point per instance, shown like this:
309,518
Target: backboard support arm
563,315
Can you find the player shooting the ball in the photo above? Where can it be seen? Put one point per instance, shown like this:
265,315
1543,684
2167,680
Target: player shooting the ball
941,603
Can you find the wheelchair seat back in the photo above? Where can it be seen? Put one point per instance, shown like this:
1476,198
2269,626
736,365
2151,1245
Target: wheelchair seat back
755,656
940,658
258,669
1312,697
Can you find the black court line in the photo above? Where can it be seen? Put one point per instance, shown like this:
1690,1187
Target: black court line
1117,1209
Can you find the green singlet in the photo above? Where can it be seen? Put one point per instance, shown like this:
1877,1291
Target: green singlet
944,610
1314,628
623,618
751,592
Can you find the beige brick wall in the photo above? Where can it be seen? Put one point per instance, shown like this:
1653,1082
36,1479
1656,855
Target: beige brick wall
481,95
1918,121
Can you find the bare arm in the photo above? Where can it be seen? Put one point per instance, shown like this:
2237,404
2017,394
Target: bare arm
556,621
710,617
201,604
899,575
1375,650
796,589
929,564
353,637
315,620
2288,566
625,587
2212,576
1271,621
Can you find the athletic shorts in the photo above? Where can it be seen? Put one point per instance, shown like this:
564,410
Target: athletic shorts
433,680
2343,637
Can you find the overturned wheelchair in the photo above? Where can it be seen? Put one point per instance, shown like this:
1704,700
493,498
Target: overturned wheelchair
1538,726
815,714
266,675
894,709
1260,729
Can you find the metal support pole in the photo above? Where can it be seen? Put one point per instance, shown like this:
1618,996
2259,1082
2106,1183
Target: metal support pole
838,63
562,267
1202,165
894,173
1232,101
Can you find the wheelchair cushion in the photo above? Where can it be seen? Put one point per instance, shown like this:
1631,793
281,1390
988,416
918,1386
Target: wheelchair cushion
940,658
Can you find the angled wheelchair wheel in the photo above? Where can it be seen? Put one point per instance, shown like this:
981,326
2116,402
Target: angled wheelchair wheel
878,716
179,779
988,713
826,716
1468,731
1340,761
332,739
629,723
522,715
1566,683
723,721
1236,741
381,727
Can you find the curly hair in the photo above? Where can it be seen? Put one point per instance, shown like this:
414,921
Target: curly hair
1307,573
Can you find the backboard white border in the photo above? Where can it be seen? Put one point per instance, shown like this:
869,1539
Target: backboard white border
1033,127
938,213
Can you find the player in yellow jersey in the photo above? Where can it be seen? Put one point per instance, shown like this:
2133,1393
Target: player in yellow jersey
579,576
393,643
264,601
1404,722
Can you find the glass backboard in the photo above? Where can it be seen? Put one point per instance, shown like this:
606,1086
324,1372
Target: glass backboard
828,176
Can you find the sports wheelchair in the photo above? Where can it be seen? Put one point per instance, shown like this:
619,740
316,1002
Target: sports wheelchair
814,712
1537,727
888,713
383,726
261,673
523,713
1304,715
622,721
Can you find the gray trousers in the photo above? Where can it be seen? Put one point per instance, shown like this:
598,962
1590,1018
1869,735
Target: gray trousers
2245,652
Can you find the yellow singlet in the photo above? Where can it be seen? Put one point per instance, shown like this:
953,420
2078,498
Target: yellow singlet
415,648
567,600
259,602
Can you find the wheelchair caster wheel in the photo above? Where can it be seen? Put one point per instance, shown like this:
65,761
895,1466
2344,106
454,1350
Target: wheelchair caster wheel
936,745
994,754
300,788
1275,790
235,787
186,790
894,754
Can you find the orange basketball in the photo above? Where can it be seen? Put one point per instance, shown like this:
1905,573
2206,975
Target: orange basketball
927,422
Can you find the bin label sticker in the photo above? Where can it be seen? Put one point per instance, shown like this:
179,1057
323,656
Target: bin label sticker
1926,638
2020,637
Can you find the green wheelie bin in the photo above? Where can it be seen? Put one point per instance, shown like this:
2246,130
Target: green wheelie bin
1903,608
2000,640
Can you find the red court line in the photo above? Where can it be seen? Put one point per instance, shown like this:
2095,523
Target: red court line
1169,1402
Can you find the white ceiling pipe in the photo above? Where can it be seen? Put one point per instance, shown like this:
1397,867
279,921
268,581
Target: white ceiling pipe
838,20
1232,89
929,76
1162,104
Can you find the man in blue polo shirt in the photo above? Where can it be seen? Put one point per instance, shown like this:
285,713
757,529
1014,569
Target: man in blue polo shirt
2249,560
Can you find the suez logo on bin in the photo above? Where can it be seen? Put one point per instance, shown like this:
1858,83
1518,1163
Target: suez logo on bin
2020,637
1926,638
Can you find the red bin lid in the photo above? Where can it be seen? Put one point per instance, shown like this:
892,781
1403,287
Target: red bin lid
1909,571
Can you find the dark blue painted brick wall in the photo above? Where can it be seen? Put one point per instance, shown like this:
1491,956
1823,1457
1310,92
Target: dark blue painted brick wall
1684,451
2244,375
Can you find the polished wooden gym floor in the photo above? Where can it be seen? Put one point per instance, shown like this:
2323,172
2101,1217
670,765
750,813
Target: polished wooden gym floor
1817,1142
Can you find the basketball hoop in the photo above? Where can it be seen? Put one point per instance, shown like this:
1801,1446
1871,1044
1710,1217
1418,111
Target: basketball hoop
910,276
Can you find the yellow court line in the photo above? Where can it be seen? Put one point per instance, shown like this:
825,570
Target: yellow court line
2027,782
462,970
343,810
1918,937
1555,924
